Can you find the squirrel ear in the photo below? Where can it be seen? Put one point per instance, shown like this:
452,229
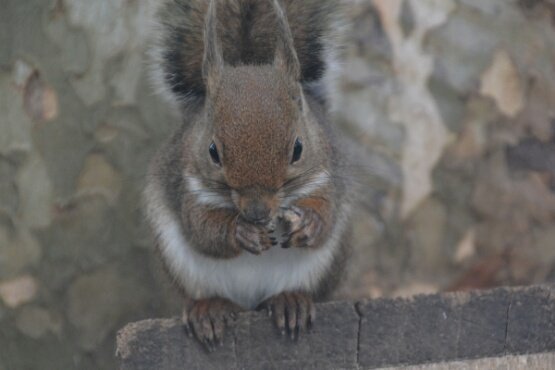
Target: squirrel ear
212,62
286,57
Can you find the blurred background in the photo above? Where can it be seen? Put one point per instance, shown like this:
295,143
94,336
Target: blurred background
452,103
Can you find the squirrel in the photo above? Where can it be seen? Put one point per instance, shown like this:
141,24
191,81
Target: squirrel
250,199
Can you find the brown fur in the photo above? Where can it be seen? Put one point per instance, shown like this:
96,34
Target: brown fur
247,30
254,121
251,75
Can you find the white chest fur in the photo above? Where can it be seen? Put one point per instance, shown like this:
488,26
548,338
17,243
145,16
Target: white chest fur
248,279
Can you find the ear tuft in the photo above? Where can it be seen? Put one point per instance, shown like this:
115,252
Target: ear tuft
285,56
212,63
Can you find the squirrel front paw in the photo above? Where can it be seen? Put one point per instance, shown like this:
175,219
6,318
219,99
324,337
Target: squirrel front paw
207,319
253,238
303,227
292,312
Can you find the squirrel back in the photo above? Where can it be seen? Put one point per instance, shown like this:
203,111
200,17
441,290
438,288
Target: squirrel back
247,32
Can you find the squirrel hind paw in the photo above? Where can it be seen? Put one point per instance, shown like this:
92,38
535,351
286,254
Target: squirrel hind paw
292,312
208,318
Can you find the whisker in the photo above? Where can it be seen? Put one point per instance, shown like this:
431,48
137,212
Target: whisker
302,176
214,195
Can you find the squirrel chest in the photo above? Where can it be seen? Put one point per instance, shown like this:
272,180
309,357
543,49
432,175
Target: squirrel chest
246,279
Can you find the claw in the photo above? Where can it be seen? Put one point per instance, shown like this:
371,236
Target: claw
297,211
252,238
291,312
304,231
208,318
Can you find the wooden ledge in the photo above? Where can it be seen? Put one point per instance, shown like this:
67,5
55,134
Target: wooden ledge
361,335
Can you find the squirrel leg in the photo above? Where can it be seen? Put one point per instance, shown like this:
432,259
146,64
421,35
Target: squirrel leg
211,231
208,318
292,312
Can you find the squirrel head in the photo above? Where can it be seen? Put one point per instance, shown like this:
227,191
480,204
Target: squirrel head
258,137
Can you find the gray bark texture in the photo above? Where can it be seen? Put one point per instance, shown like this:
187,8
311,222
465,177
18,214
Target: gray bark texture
362,335
450,104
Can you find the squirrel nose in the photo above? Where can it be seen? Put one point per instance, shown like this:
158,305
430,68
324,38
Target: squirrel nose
257,213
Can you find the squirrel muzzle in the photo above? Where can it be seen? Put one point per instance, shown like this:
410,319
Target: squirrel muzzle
257,207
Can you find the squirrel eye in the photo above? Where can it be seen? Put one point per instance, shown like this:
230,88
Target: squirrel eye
214,153
297,150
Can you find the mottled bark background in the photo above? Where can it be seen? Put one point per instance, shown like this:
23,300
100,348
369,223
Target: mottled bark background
451,101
